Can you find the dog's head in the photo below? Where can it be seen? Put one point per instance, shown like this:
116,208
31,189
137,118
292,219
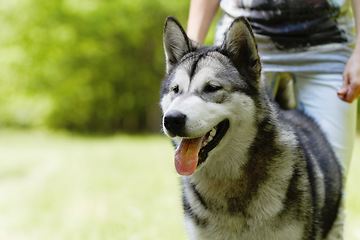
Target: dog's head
208,93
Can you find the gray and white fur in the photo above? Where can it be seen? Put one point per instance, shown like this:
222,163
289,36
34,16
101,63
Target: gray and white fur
262,172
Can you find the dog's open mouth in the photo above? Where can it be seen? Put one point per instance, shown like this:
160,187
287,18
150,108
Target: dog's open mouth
192,152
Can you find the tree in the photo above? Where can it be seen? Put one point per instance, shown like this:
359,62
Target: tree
86,66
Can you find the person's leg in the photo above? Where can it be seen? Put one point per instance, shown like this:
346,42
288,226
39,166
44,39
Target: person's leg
316,95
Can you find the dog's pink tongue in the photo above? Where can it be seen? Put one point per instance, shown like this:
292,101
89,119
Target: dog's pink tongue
186,155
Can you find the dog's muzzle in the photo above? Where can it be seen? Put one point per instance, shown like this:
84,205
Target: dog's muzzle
192,151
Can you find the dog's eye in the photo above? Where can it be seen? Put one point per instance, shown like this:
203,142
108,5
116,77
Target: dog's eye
209,88
175,89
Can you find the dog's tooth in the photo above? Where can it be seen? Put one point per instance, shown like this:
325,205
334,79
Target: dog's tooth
213,132
210,138
207,141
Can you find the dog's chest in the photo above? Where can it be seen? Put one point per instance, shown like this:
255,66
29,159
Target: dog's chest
228,227
226,212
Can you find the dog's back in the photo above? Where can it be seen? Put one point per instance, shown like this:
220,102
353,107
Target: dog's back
324,171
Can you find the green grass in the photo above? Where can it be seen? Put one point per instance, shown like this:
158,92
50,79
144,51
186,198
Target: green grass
59,186
352,230
64,187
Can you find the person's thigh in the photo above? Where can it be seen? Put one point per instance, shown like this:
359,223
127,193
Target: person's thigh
316,95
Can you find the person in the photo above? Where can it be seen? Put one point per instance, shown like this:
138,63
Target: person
312,41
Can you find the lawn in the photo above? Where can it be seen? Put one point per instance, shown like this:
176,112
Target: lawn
61,186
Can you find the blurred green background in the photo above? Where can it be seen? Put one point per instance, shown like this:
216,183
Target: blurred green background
87,66
75,78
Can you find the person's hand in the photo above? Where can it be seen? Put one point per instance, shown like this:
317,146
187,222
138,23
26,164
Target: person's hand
350,89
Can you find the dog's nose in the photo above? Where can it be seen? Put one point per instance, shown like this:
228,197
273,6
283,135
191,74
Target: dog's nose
174,122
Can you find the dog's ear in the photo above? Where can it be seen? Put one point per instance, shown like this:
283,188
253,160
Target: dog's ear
176,43
240,46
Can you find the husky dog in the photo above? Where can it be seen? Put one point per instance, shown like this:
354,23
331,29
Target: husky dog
250,170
